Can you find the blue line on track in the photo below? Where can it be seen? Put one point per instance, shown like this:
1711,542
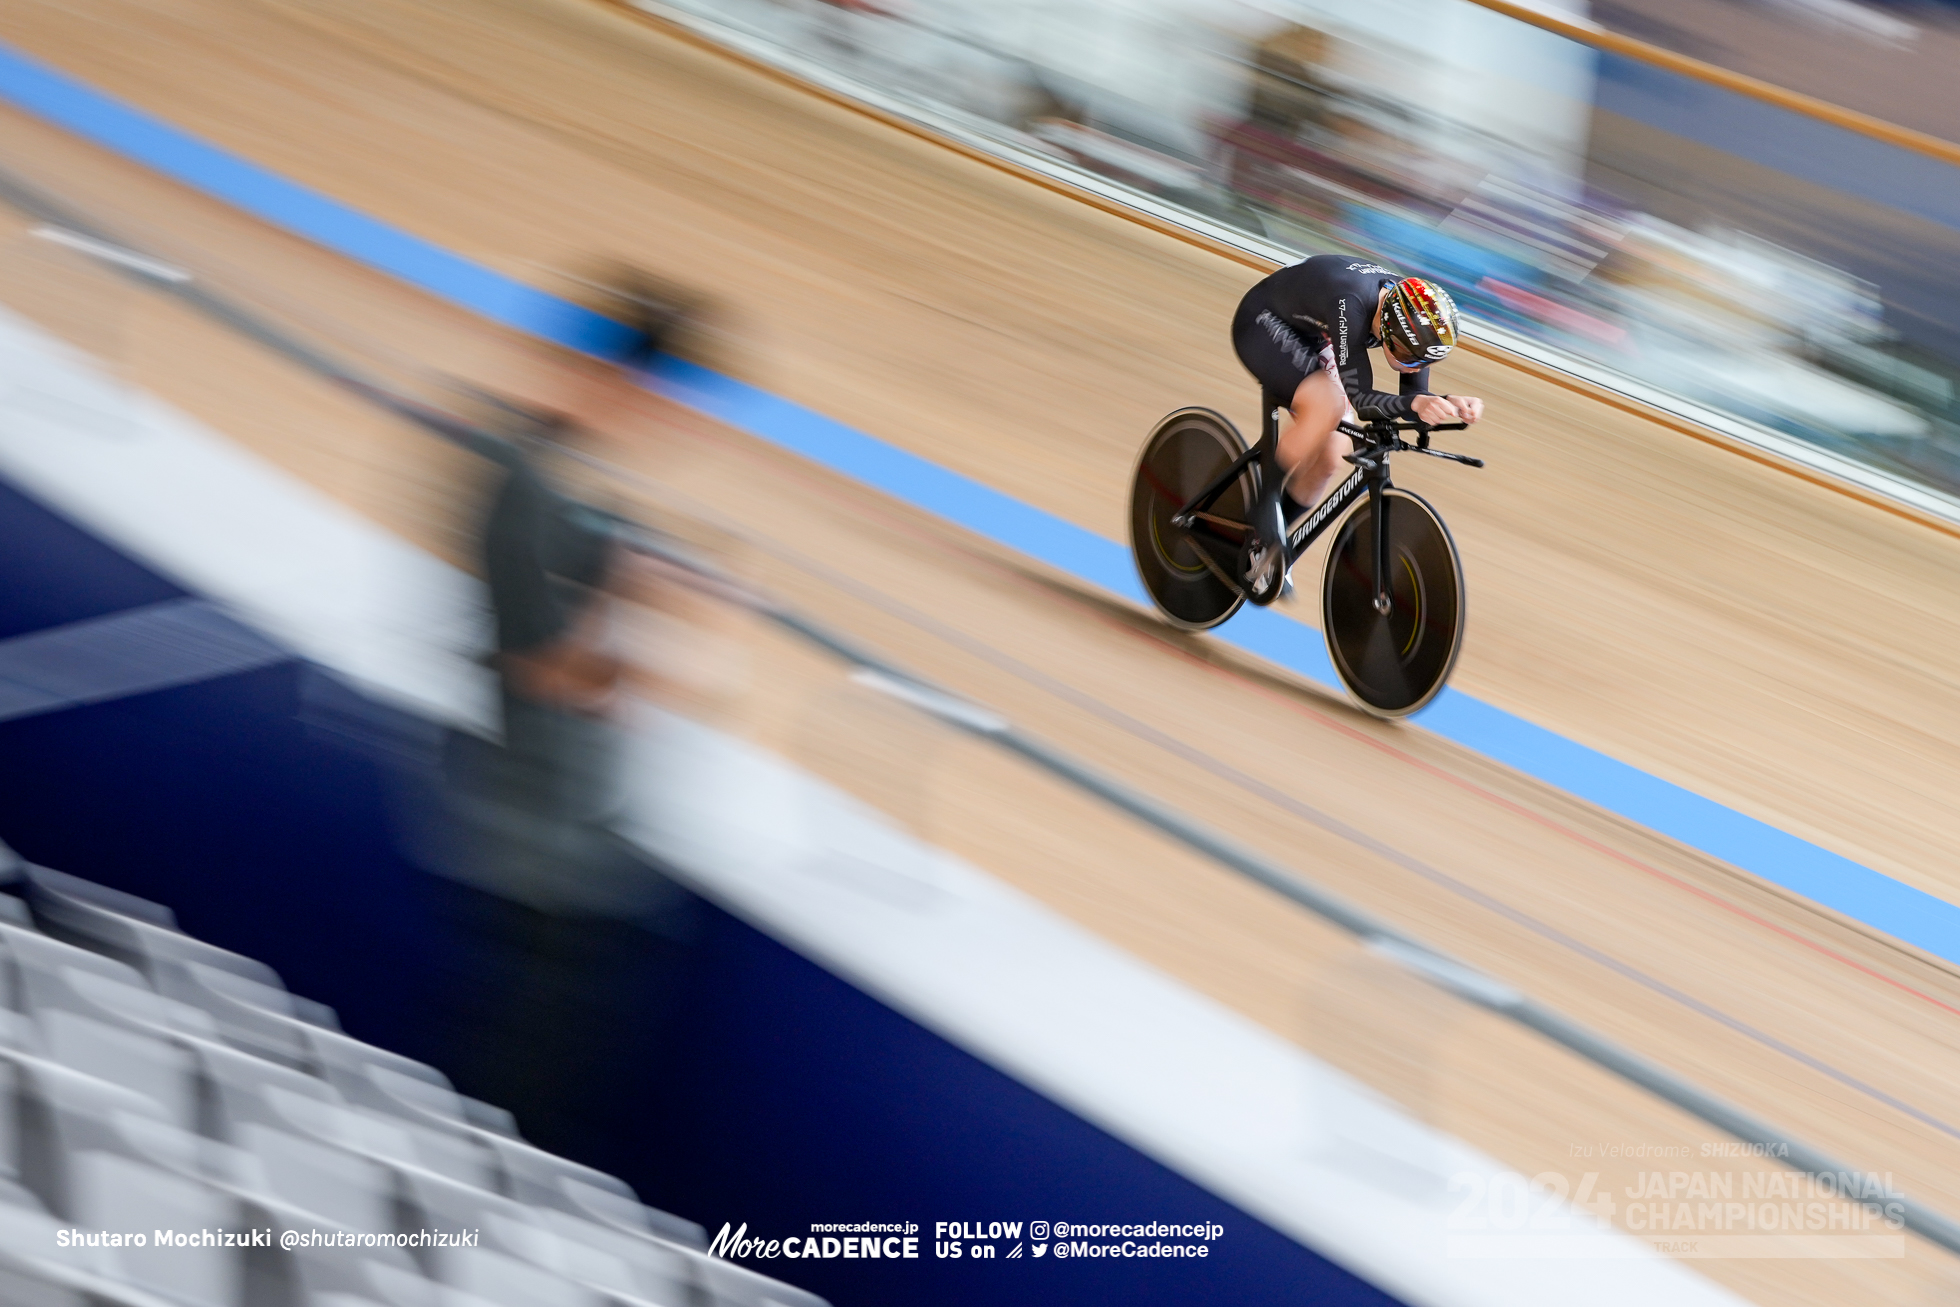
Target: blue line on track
96,117
1837,882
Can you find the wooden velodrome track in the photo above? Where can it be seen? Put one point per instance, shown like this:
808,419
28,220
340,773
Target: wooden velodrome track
1769,642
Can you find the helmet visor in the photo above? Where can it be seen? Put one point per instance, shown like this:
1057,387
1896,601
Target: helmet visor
1402,354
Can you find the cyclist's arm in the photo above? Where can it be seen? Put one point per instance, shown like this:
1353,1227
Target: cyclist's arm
1358,377
1352,316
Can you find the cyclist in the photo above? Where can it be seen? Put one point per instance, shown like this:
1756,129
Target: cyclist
1305,333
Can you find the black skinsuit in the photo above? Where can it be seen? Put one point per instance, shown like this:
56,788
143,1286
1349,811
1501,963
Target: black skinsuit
1303,317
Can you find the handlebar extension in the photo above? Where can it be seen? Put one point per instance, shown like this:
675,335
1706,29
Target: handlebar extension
1365,428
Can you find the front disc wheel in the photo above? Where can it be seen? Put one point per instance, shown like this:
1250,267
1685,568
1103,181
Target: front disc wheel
1394,662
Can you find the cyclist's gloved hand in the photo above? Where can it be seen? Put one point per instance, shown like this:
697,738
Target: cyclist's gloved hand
1439,409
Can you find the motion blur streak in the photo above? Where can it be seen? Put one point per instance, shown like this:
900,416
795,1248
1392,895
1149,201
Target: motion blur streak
1764,643
1841,883
176,642
1287,802
501,299
1732,251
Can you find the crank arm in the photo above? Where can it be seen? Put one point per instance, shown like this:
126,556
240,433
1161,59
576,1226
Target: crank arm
1211,565
1215,523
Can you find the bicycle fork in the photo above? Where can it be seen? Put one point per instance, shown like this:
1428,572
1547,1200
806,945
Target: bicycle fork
1378,515
1373,466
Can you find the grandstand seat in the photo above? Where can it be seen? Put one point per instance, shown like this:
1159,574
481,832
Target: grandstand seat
531,1175
508,1282
137,1062
234,990
391,1141
59,1114
393,1288
278,1185
39,976
35,1271
118,1193
150,1081
350,1190
134,930
624,1266
659,1272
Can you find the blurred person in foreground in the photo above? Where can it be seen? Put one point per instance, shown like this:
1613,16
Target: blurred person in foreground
1304,333
565,936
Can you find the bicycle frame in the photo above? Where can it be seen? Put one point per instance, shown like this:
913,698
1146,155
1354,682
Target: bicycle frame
1373,443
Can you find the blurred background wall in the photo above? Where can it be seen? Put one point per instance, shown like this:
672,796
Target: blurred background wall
1739,254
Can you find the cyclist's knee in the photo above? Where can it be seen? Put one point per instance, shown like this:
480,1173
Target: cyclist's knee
1320,395
1318,406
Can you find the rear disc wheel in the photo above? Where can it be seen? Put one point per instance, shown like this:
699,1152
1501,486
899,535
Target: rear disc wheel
1393,663
1181,571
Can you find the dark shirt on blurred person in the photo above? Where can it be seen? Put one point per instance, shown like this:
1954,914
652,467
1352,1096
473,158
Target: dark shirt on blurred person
548,559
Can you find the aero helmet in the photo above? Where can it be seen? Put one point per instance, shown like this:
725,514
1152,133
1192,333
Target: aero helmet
1418,322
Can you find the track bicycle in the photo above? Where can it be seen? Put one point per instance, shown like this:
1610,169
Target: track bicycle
1207,531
